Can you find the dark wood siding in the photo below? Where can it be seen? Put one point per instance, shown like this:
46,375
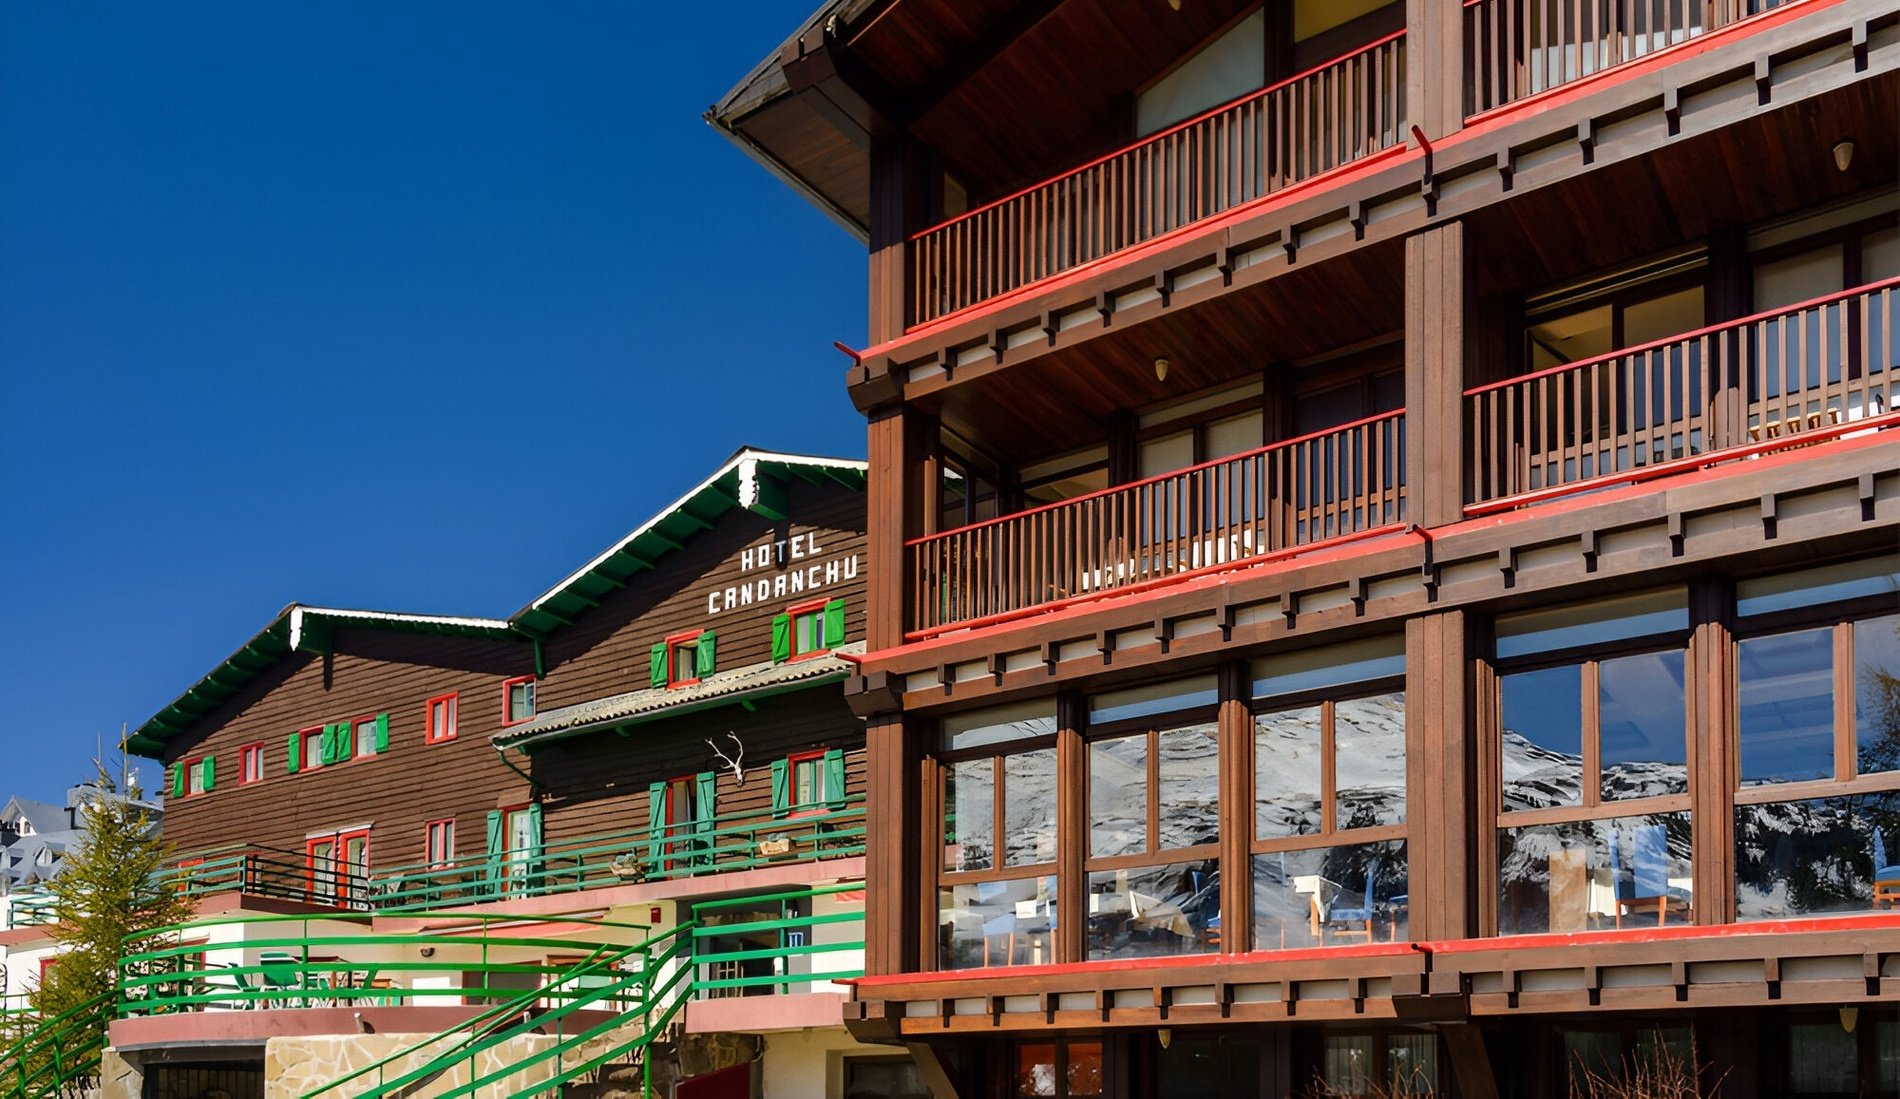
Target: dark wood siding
396,792
606,651
597,783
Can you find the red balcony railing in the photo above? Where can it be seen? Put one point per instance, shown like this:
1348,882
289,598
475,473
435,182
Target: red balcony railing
1342,482
1319,120
1517,48
1810,371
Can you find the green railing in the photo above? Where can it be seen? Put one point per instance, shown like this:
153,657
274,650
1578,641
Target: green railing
721,845
641,986
30,909
293,965
57,1055
789,957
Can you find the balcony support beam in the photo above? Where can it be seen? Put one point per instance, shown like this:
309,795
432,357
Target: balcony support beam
1441,763
1434,67
1437,295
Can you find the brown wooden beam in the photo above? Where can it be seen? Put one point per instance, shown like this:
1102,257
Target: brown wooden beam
1709,693
1437,277
1440,759
1236,810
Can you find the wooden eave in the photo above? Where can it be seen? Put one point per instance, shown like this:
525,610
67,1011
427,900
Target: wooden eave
1789,57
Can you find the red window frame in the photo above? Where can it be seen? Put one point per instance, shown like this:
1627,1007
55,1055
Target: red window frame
430,856
184,877
688,640
356,746
507,697
248,754
191,765
310,746
46,965
453,701
336,889
808,608
680,793
816,806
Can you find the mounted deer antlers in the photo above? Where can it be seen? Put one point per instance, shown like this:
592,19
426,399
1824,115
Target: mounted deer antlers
738,772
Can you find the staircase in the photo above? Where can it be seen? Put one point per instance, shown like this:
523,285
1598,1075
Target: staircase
57,1057
538,1043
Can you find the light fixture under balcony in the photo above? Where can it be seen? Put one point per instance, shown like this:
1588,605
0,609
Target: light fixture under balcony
1161,369
1843,154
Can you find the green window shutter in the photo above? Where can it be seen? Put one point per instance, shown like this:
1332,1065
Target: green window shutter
781,787
834,623
294,759
497,843
781,638
178,780
326,747
706,790
533,852
382,733
211,773
656,821
704,660
834,778
345,741
657,665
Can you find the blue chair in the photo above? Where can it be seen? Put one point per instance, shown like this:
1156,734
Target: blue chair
1886,875
1361,916
1647,883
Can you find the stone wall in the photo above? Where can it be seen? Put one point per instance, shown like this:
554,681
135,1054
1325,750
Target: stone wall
294,1066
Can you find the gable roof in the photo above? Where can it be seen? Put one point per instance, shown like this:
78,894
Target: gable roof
44,816
751,479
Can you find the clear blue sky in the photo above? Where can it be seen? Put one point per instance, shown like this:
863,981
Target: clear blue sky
398,306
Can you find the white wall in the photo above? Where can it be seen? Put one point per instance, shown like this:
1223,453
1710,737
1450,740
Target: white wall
809,1064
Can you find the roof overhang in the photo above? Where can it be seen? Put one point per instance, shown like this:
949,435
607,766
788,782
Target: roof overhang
744,687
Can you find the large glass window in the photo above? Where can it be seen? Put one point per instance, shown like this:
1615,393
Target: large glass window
1329,856
1593,764
1154,812
1817,815
996,901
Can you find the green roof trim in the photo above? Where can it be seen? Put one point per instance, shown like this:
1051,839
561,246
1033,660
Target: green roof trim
751,479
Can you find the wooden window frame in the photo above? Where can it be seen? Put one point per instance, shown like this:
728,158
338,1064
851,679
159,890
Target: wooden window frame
339,891
356,745
1329,834
1151,726
812,608
507,700
246,754
1840,617
429,830
687,640
193,775
1589,658
816,806
945,763
453,701
309,744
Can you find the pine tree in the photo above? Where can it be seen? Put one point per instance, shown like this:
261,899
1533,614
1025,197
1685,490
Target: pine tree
109,889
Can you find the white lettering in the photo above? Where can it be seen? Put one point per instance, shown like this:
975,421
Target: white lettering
851,567
811,545
745,559
745,596
712,602
811,580
798,547
765,590
798,581
831,572
778,585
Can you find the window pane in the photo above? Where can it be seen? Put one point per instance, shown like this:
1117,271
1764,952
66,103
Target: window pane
366,737
1190,786
1036,1069
1812,587
1328,666
1643,726
1798,278
1799,858
1369,761
521,702
1286,773
1084,1074
1348,1067
1572,336
1590,875
1823,1058
1543,737
1887,1055
1000,724
1662,317
1029,808
969,806
1331,896
1877,693
1593,623
1234,435
1787,707
1118,795
1167,454
996,923
1147,701
1202,1068
1154,910
1411,1063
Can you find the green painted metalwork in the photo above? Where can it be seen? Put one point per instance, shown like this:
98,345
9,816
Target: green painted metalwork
57,1053
731,971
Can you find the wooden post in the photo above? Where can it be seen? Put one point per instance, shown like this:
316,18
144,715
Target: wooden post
1440,776
900,195
1236,811
1072,828
897,896
1435,66
1710,691
1436,283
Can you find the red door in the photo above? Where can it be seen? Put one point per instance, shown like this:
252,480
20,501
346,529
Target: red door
727,1083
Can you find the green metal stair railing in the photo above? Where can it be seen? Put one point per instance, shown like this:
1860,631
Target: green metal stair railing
655,992
57,1053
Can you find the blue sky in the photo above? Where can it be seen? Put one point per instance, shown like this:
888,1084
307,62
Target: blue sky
397,306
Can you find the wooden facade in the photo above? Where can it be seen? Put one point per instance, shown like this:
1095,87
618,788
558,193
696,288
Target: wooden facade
1192,418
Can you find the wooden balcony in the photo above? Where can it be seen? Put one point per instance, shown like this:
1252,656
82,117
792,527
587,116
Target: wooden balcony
1345,482
1290,131
1790,377
1518,48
